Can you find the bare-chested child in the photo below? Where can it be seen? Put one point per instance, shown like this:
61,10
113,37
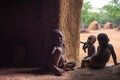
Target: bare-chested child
104,50
57,57
89,45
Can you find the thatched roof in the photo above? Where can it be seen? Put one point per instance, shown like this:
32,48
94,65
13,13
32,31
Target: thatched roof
94,25
108,25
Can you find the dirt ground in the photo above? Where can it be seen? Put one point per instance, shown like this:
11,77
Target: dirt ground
108,73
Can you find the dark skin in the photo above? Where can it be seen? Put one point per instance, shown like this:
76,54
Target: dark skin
90,42
91,48
57,57
104,51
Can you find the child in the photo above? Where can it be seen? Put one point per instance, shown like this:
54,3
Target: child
89,45
57,56
104,51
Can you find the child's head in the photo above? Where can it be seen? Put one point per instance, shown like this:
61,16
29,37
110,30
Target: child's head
91,39
103,39
57,37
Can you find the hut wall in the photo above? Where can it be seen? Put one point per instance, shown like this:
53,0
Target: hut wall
26,26
70,25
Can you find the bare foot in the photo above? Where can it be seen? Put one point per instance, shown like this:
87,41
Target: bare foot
79,67
57,71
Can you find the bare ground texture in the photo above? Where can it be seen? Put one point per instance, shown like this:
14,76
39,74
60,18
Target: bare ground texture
108,73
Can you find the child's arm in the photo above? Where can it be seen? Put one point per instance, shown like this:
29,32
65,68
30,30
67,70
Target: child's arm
85,46
53,51
113,54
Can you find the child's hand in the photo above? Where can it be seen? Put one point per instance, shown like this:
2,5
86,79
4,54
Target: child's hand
85,46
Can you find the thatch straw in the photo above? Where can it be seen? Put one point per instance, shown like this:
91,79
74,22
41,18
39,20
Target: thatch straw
70,25
108,25
94,25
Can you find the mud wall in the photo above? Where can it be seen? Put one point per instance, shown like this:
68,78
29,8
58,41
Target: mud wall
70,11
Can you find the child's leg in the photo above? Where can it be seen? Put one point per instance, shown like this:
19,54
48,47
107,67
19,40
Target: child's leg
56,57
55,61
57,71
83,63
62,61
95,65
69,66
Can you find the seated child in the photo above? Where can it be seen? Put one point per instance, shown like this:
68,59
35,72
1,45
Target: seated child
57,57
104,50
89,45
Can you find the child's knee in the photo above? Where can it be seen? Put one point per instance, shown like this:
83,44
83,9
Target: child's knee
57,53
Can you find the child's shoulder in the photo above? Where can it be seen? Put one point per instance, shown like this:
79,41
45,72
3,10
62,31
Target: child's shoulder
110,45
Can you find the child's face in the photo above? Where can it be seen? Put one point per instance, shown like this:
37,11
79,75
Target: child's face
90,40
58,40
